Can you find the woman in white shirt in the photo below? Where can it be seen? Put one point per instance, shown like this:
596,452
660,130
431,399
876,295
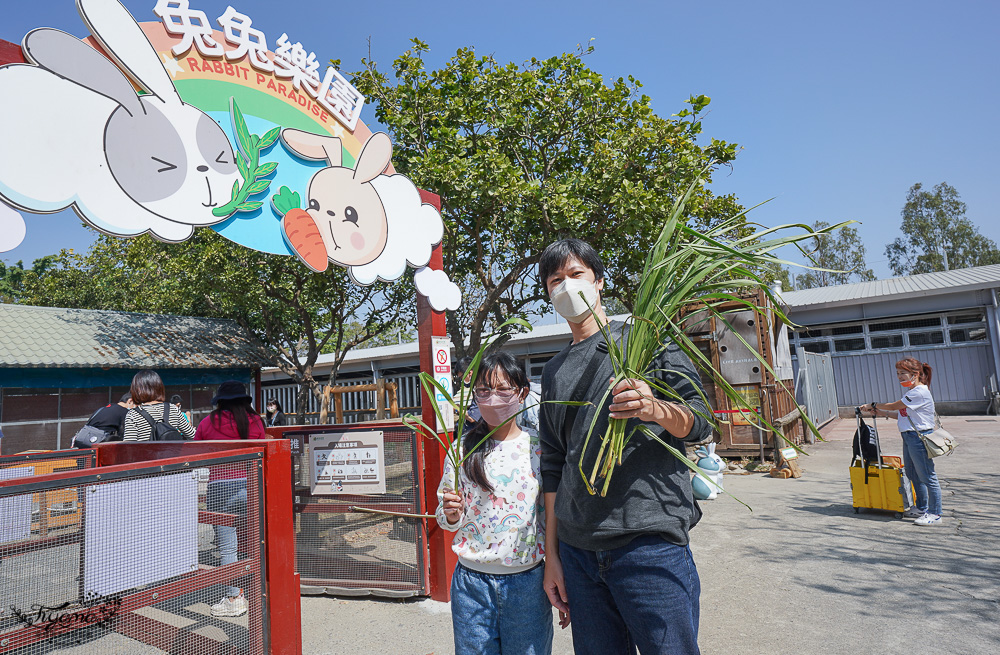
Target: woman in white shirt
498,604
914,414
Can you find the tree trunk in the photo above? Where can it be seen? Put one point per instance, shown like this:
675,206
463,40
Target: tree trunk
301,402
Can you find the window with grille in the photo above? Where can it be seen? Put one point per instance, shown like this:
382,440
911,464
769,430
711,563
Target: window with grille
968,334
926,338
887,341
904,324
848,345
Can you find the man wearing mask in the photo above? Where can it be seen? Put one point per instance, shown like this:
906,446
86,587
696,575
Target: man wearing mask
619,564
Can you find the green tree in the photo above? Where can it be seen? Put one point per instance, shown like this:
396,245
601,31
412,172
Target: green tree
525,155
936,234
296,314
838,258
18,283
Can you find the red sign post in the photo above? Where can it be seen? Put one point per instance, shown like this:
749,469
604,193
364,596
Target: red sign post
441,560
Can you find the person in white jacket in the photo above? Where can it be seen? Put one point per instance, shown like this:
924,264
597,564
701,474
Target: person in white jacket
498,603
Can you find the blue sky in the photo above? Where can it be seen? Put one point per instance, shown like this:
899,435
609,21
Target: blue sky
839,107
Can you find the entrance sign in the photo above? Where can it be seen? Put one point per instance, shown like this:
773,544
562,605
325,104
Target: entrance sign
347,463
166,126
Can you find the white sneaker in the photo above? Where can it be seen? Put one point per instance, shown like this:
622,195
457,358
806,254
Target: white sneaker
928,519
913,513
230,606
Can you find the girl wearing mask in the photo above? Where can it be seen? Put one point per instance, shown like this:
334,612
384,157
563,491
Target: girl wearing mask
498,603
914,414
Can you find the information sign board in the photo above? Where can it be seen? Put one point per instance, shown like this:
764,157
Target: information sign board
347,463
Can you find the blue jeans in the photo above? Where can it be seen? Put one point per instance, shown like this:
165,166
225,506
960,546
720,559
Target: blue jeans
920,469
494,614
228,497
644,594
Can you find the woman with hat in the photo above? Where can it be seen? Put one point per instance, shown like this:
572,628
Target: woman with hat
233,418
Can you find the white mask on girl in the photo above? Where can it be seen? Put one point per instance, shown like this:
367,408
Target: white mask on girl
567,301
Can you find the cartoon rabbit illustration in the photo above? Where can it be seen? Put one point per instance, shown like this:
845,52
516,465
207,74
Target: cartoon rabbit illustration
76,134
345,221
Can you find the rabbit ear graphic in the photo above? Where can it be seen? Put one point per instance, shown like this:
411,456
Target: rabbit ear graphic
73,60
313,146
374,157
124,41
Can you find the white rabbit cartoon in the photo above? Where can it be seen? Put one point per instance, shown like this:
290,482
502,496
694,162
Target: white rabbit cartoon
343,204
76,134
372,223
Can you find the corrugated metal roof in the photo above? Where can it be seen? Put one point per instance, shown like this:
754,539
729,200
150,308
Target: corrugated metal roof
49,337
926,284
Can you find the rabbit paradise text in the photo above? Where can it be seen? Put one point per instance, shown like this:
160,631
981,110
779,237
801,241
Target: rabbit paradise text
291,61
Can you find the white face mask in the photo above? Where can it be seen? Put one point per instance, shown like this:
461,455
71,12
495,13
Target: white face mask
567,301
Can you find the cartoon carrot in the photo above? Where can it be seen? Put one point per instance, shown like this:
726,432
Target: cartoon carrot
300,230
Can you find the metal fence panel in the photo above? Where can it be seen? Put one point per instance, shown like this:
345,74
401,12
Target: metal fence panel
339,549
358,406
139,566
816,386
960,374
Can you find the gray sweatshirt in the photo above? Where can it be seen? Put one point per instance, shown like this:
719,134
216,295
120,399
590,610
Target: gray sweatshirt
650,492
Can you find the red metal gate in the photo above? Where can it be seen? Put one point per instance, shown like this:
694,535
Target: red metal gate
129,566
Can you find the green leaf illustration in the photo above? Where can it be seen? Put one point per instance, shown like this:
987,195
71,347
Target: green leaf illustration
240,127
258,186
241,164
266,169
248,152
286,200
269,137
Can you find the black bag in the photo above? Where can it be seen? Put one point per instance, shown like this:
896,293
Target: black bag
865,443
162,430
89,436
866,446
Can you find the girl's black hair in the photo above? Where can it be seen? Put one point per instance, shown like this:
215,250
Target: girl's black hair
241,409
496,364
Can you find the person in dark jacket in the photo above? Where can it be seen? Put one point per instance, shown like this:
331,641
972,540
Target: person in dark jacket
620,565
111,418
274,416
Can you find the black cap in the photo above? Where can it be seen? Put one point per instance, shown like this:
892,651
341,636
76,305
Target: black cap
231,390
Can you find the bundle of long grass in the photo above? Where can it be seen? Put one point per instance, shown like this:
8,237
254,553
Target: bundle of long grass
686,267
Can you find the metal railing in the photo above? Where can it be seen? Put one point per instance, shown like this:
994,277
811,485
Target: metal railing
147,550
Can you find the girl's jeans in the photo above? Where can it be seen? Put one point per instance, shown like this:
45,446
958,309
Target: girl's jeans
645,594
920,469
227,497
500,614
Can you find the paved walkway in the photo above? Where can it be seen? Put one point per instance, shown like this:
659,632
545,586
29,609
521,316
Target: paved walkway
800,574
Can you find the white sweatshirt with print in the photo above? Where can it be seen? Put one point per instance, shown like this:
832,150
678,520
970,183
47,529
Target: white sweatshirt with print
503,531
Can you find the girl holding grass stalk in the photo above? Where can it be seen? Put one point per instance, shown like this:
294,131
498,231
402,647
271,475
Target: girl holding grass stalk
498,603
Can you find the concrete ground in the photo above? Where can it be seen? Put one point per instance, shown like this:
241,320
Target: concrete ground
801,573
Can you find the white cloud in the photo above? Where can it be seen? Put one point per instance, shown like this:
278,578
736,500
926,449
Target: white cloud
12,228
414,229
440,292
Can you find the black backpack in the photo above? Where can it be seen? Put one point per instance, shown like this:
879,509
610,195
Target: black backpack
865,443
162,430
